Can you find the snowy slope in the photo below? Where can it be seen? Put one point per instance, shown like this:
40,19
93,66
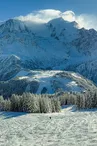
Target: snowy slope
16,79
63,129
42,82
54,81
9,66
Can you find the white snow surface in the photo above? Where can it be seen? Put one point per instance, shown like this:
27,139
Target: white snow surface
68,128
51,80
76,75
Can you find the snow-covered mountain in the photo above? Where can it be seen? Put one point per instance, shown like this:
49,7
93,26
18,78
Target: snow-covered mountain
41,82
16,79
56,45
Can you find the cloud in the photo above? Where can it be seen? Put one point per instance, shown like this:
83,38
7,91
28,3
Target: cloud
87,21
43,16
69,16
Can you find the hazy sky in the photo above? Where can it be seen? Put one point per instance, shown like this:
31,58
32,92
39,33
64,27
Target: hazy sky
12,8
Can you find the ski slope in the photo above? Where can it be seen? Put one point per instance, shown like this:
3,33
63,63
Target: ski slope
68,128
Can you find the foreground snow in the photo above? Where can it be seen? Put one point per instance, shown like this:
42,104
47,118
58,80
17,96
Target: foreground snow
67,128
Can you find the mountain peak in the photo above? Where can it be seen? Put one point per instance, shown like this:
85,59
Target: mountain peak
13,25
61,23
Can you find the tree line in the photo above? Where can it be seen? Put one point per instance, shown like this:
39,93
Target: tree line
87,100
30,103
45,103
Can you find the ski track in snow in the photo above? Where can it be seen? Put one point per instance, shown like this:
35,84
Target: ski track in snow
63,129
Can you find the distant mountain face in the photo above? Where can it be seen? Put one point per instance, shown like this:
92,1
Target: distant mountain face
56,45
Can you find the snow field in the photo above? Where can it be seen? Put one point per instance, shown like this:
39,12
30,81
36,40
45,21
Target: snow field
67,128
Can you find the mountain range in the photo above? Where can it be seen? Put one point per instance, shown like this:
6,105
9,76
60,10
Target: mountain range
57,45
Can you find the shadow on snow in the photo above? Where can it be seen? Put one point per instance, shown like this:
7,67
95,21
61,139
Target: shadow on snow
8,115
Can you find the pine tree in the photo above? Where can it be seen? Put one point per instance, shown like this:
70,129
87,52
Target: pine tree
15,102
1,103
